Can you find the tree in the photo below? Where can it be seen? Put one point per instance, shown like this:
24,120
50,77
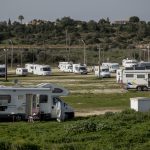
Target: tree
134,19
20,17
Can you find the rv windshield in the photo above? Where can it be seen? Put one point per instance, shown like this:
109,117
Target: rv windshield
2,69
24,70
115,66
82,68
105,70
46,69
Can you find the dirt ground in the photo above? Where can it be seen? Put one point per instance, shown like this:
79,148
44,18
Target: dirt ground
85,113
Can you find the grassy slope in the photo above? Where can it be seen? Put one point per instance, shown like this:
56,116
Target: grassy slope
119,131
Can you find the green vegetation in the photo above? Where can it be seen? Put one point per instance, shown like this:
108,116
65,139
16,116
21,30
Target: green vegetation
43,41
127,130
104,101
112,131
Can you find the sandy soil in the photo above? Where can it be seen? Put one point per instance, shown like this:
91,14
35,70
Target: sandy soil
85,113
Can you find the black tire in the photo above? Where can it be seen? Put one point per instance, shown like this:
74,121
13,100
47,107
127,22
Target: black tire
145,88
139,88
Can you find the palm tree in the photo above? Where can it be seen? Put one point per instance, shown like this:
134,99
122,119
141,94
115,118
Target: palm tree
20,17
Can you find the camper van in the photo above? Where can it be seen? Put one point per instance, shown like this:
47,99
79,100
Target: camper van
21,71
42,101
2,70
104,71
80,69
65,66
41,70
129,63
112,66
38,69
144,64
134,78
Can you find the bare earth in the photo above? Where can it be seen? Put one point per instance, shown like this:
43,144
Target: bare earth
85,113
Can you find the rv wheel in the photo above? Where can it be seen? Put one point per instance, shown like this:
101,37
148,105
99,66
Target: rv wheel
145,88
139,88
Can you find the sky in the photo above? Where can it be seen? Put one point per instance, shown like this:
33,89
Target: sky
83,10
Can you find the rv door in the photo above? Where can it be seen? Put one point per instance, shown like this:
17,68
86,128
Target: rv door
148,80
57,109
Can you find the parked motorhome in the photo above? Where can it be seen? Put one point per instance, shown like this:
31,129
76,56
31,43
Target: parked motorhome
41,70
144,64
80,69
21,71
2,70
104,71
43,101
129,62
66,66
38,69
112,66
29,67
134,78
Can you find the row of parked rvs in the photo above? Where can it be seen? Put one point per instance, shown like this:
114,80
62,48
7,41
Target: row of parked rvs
70,67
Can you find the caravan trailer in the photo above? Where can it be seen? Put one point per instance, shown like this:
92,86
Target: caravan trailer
138,78
80,69
21,71
112,66
2,70
42,101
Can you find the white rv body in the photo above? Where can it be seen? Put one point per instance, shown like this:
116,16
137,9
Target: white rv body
29,67
104,71
2,70
42,101
65,66
41,70
21,71
134,79
112,66
127,63
80,69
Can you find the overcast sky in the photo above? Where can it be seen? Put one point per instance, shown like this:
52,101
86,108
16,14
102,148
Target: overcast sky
84,10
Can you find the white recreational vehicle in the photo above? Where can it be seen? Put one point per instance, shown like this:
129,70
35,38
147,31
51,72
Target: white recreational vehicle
129,63
2,70
65,66
104,71
41,70
81,69
112,66
29,67
42,101
21,71
134,78
38,69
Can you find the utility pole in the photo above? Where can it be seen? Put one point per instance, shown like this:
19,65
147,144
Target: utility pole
12,53
148,53
84,52
99,58
5,50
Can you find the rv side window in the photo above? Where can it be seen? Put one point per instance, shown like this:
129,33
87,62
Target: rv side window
43,98
129,75
5,98
140,76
